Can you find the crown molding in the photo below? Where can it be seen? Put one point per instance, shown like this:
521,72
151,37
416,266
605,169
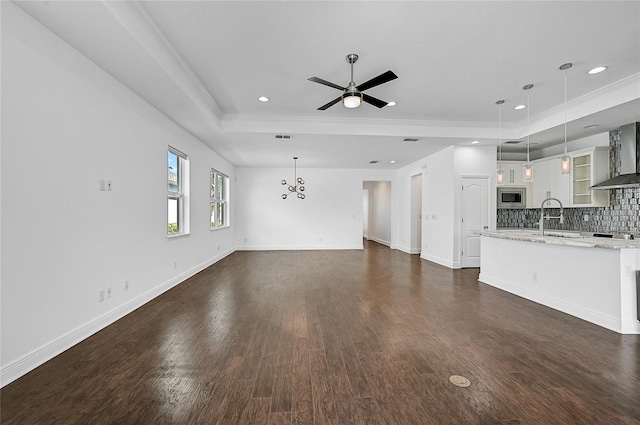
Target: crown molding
603,98
233,123
135,19
612,95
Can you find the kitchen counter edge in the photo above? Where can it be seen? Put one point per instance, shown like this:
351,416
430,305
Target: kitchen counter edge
585,242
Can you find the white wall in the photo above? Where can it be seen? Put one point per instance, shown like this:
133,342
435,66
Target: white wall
65,125
331,216
472,161
438,202
442,174
379,213
403,189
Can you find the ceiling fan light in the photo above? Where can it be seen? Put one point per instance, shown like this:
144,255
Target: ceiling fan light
351,100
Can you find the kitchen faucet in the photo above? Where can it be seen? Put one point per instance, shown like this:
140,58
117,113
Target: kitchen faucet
542,217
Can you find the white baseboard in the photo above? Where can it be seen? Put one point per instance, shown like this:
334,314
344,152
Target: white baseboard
24,364
440,261
407,249
380,241
580,312
297,247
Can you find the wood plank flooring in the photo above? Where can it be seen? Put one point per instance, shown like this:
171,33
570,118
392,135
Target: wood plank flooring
336,337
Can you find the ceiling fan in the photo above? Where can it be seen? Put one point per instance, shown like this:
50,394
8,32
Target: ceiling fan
352,95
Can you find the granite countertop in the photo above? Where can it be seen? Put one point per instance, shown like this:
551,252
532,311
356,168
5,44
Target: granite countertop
562,237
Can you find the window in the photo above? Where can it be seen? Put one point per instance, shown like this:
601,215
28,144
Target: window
177,192
219,199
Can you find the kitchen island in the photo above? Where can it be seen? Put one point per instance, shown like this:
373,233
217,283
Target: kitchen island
587,277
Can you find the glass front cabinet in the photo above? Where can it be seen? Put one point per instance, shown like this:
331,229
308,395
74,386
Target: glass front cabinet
588,167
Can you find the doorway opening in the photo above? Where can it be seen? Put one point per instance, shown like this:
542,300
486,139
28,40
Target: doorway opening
376,212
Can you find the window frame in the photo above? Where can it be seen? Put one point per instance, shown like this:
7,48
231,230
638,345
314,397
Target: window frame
181,196
222,200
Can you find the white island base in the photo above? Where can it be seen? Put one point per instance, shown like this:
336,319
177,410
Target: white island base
595,284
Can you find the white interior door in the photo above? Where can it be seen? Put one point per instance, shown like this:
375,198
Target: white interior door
475,218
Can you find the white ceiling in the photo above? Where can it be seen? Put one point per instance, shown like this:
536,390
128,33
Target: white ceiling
204,63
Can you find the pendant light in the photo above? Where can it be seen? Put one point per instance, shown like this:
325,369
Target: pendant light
527,169
298,183
500,171
565,160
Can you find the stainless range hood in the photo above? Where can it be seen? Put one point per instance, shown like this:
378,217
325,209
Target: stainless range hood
629,160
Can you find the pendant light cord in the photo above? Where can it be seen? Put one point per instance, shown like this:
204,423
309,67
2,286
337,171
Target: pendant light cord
500,133
528,126
565,110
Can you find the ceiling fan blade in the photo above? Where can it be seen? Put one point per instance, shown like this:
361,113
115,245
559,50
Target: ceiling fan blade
325,82
374,101
330,104
376,81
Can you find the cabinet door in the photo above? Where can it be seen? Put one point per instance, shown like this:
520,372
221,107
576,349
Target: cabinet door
560,183
541,183
517,177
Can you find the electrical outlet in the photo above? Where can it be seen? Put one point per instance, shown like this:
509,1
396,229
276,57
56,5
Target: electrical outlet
126,285
585,217
109,292
101,295
175,264
534,277
218,247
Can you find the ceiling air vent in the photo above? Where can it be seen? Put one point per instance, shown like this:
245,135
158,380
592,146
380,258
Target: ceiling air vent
512,142
409,139
373,162
284,136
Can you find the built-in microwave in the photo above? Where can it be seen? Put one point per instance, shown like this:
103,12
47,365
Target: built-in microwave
512,197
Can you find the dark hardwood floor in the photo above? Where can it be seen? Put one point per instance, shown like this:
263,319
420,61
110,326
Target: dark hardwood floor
336,337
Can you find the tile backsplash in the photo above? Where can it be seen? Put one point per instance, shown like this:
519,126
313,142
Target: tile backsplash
622,216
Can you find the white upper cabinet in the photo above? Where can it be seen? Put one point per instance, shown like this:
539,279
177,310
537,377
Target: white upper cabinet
548,182
513,173
588,167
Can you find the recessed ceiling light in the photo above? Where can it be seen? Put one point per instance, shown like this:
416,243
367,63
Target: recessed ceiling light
596,70
475,142
393,161
590,126
263,99
391,104
519,107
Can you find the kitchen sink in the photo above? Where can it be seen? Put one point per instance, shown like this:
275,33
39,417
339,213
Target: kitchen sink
564,234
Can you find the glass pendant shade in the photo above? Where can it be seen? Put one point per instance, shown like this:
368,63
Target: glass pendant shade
351,101
565,164
527,172
499,176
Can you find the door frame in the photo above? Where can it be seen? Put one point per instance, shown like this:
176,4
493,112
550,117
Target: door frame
415,223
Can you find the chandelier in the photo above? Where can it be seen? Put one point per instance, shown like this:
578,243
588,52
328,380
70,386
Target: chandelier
297,187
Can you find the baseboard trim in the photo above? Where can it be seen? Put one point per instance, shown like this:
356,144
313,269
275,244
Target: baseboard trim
380,241
550,301
438,260
297,247
25,364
